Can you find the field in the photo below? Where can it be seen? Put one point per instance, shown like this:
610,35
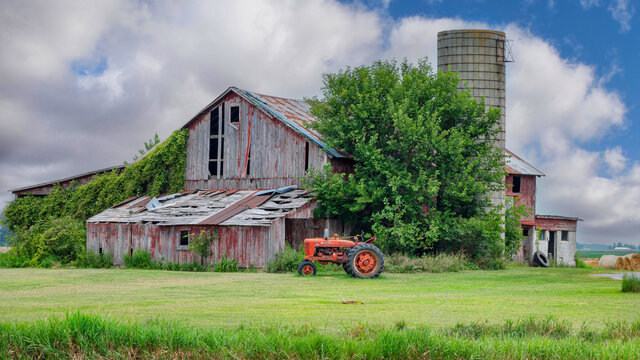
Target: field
586,253
330,301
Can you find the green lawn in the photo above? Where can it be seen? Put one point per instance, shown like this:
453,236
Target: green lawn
256,299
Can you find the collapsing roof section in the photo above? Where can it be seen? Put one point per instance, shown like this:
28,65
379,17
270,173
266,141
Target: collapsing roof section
215,207
517,166
293,112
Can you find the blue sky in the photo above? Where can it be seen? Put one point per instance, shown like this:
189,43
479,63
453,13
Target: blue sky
85,83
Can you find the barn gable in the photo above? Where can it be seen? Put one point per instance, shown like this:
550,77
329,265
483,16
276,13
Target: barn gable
245,140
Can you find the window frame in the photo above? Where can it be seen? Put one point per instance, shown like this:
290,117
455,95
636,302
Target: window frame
564,235
181,235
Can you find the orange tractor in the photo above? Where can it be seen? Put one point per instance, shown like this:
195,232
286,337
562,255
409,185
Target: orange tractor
359,258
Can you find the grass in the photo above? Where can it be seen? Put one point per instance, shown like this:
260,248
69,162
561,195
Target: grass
77,336
332,300
630,283
587,254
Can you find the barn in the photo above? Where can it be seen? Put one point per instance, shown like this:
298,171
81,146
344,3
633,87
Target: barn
246,156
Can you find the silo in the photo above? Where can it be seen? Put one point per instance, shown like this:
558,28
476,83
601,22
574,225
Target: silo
479,58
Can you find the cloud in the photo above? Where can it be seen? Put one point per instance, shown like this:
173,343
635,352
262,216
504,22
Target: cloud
622,12
84,84
587,4
615,160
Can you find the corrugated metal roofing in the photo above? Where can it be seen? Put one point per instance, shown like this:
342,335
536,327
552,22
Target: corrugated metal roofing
558,217
70,178
198,208
293,112
516,166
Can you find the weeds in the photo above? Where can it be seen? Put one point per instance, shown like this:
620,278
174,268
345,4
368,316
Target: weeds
93,260
630,283
90,336
399,263
286,261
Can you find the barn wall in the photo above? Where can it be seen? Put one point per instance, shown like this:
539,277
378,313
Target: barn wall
527,194
277,152
254,245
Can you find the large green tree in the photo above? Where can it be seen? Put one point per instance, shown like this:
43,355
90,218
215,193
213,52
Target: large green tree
425,160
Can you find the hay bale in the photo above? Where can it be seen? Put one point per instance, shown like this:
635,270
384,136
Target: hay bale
626,263
634,260
591,262
611,262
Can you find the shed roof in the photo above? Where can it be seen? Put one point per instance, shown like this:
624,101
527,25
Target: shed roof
215,207
558,217
517,166
293,112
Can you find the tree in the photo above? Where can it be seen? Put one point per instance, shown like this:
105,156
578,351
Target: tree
424,159
200,244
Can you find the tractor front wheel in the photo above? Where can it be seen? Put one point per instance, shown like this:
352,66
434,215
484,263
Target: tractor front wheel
307,268
364,261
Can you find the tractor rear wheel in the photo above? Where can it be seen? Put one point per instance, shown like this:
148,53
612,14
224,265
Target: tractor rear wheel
364,261
307,268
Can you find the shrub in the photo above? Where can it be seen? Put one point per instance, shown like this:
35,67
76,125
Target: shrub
12,260
53,241
141,259
286,261
226,265
400,263
90,259
630,283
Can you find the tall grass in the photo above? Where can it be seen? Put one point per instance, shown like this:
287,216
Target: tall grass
399,263
630,283
90,336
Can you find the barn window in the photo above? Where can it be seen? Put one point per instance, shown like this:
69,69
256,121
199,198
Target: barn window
235,115
100,250
564,236
525,232
183,241
516,185
216,142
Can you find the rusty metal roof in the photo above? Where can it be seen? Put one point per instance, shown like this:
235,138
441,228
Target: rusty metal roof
516,166
69,178
209,208
558,217
294,113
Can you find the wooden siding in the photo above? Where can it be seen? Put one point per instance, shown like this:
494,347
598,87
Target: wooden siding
556,224
526,196
254,245
277,151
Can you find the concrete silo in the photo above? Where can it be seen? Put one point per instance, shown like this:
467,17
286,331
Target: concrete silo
479,57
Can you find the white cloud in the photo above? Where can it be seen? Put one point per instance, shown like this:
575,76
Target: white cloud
622,12
587,4
165,61
615,160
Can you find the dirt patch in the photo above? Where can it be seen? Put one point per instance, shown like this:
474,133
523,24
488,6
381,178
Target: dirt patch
351,302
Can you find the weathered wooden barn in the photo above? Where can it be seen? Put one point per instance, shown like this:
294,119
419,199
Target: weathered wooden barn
552,235
239,145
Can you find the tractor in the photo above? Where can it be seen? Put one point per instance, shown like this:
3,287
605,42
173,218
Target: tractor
359,258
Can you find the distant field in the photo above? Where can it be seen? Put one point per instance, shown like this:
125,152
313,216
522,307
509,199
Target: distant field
330,301
586,253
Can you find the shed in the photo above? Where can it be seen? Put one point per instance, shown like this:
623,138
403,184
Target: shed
252,225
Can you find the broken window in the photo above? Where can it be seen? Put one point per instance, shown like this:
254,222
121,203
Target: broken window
516,185
249,161
183,241
525,232
216,142
564,236
235,115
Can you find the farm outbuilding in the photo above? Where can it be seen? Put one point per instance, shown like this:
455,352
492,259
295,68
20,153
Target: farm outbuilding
251,226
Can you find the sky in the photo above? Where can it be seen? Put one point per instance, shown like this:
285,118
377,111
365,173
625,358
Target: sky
85,83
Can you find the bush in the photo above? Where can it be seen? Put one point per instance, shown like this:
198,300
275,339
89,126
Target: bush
630,283
90,259
55,241
141,259
12,260
579,263
400,263
226,265
286,261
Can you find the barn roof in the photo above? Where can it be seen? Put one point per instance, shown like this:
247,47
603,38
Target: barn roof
293,112
517,166
215,207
